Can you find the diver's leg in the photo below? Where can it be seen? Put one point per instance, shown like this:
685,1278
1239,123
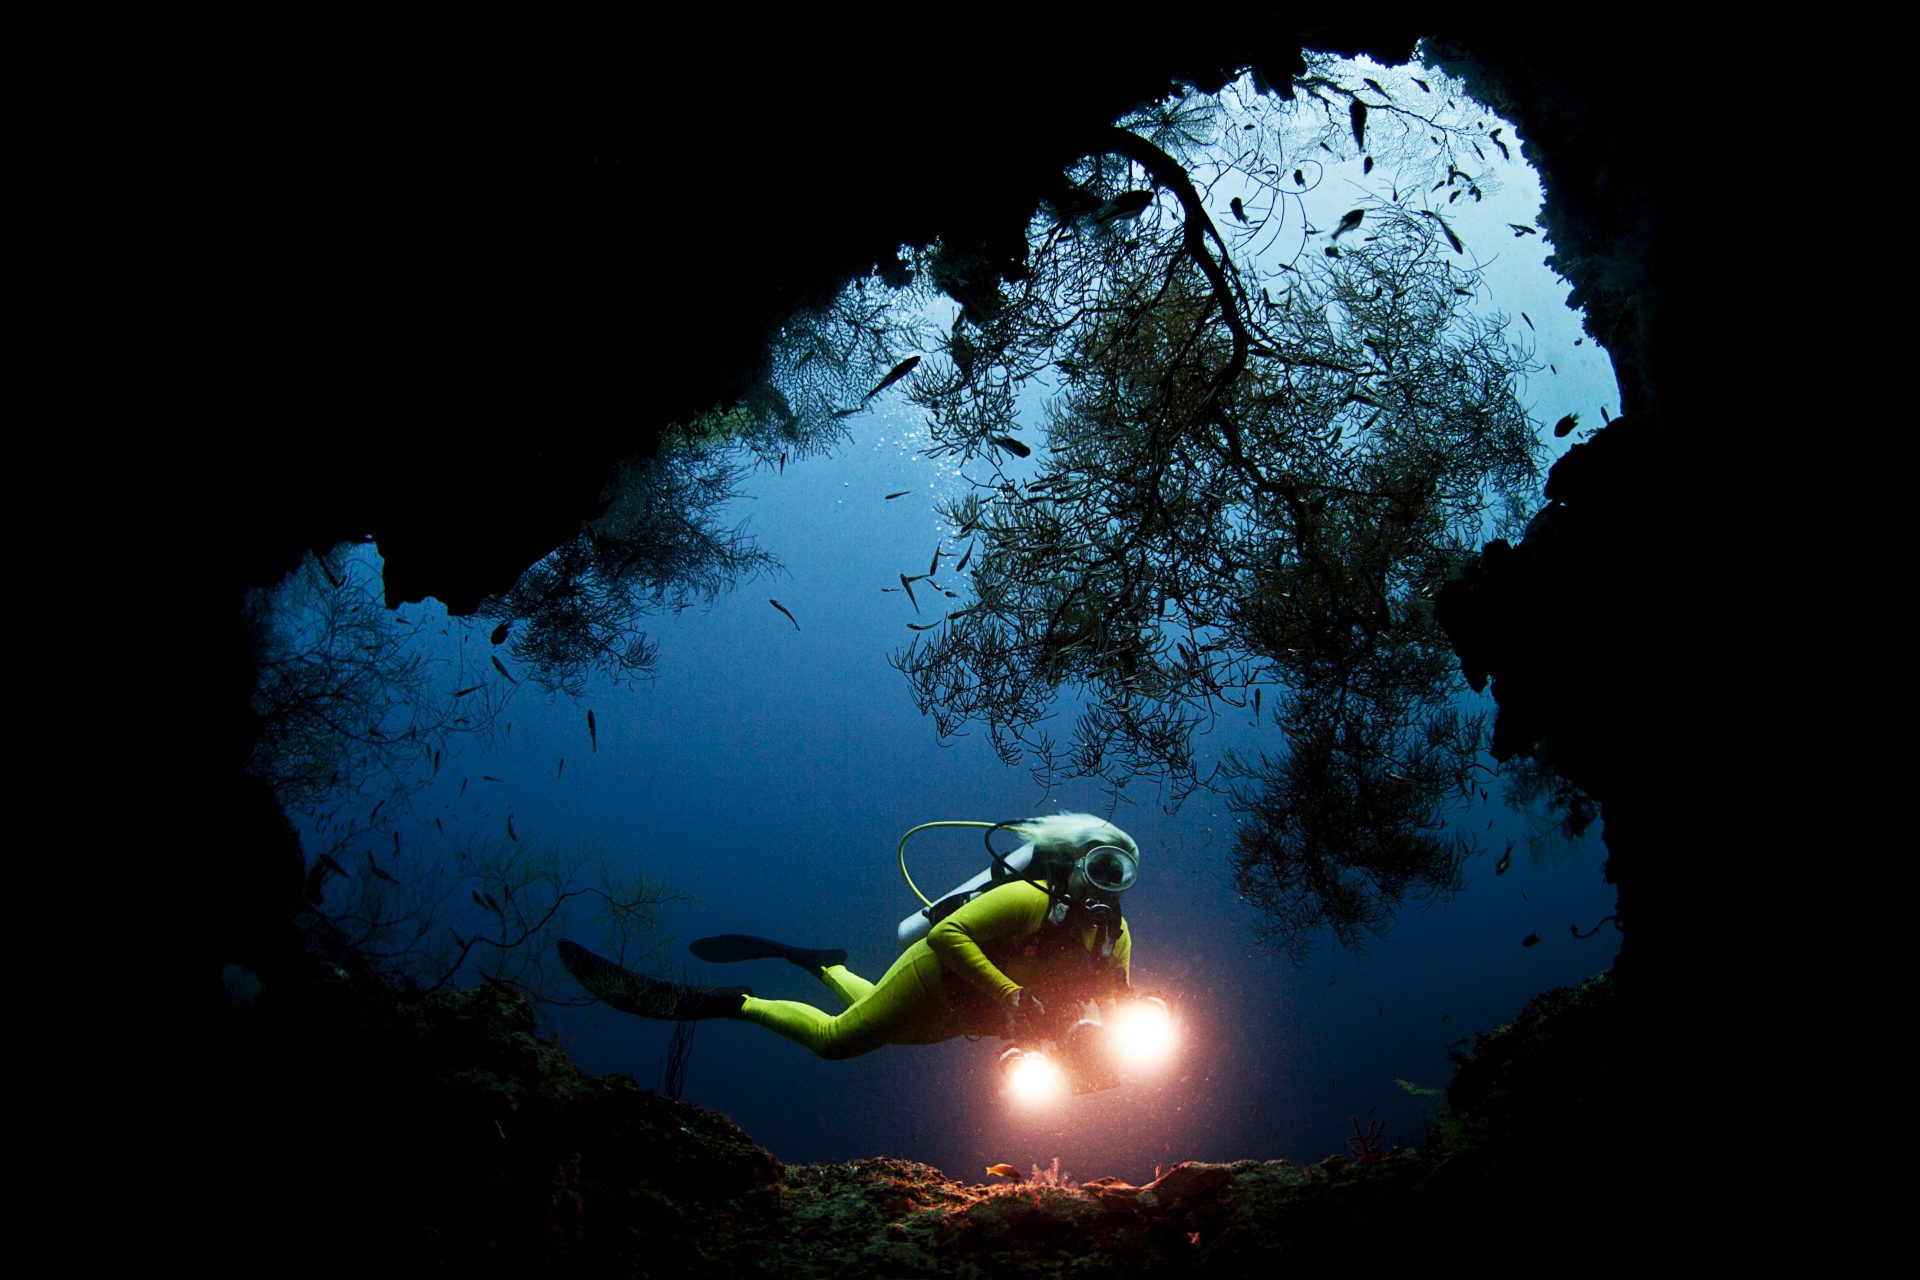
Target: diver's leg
828,965
906,1006
845,983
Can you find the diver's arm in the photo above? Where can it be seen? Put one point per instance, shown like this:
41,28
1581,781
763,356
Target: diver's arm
1013,910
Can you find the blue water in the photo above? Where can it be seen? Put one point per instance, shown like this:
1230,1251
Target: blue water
765,774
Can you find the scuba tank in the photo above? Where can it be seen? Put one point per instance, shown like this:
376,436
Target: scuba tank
1013,866
1056,871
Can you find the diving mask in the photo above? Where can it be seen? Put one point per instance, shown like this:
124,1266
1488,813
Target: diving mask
1108,868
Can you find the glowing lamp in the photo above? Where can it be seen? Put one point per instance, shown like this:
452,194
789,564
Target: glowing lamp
1143,1032
1032,1077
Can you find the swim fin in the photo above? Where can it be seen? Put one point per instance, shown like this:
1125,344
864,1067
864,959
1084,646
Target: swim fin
646,997
726,948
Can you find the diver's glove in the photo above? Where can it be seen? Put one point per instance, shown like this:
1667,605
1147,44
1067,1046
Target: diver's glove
1025,1016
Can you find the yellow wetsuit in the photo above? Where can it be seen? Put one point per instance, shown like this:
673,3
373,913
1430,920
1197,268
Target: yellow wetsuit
951,982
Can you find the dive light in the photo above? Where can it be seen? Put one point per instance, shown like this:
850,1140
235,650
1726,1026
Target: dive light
1092,1056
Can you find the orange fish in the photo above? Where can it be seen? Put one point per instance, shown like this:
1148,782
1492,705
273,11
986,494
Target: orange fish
1005,1171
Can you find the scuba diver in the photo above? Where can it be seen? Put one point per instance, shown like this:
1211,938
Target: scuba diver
1031,949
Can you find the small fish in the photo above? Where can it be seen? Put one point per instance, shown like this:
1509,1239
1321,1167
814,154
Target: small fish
908,584
783,462
1522,229
1005,1171
1465,293
1128,204
1529,320
782,608
921,626
463,788
1476,149
500,632
1506,860
1604,415
1239,210
437,826
1012,446
487,777
503,671
1578,341
1329,150
1452,239
493,904
1366,165
901,494
965,558
1554,369
1424,86
593,731
1299,178
1357,116
935,566
561,769
1494,138
511,833
396,845
1374,85
1531,939
1349,222
1331,252
898,372
472,688
1256,703
377,872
